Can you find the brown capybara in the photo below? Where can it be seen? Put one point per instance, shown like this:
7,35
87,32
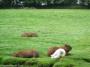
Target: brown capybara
66,47
29,34
27,54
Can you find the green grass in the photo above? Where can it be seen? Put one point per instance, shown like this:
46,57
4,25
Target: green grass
54,28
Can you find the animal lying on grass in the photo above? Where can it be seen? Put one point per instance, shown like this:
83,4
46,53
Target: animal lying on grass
27,54
29,34
53,52
57,52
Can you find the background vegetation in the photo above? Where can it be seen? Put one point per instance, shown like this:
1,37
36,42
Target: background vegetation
54,28
44,3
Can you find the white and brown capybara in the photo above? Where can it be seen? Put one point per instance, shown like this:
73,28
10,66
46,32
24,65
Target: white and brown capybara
66,47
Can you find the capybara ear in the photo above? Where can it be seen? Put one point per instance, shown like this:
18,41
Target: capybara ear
29,34
51,50
27,54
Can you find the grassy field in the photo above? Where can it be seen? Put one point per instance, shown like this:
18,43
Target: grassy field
54,28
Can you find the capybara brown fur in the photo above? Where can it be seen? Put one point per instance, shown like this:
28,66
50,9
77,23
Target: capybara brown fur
27,54
51,50
66,47
29,34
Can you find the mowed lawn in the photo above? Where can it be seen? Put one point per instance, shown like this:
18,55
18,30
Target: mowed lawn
54,28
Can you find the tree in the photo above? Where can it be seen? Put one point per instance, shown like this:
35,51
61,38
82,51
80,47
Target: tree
6,3
68,2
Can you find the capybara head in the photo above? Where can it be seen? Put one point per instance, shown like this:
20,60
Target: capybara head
29,34
67,48
27,54
52,50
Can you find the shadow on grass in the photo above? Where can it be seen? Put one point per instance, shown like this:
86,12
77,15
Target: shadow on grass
44,62
31,62
87,60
